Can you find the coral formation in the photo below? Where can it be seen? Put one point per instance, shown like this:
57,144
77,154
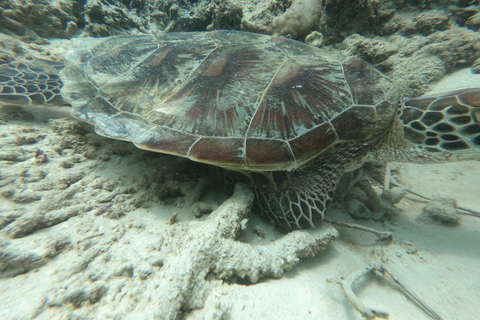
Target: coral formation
474,22
41,18
298,20
416,62
315,39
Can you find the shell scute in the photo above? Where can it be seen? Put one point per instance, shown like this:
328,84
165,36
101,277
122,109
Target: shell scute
166,140
218,151
357,122
265,154
367,84
301,96
122,126
95,110
306,146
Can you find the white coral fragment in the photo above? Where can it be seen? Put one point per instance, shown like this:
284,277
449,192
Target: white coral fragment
298,20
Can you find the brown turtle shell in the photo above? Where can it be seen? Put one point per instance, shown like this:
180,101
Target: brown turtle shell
233,99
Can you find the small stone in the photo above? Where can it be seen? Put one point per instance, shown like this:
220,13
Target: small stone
157,262
202,208
109,186
71,29
30,140
394,195
66,164
174,218
8,193
358,210
262,233
442,211
144,273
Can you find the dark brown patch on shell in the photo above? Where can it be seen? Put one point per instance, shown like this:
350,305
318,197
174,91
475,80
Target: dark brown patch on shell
166,140
219,151
267,153
306,146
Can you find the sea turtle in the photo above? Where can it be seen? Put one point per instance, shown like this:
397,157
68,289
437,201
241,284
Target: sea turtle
288,115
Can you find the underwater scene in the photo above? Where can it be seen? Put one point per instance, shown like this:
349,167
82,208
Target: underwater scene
240,159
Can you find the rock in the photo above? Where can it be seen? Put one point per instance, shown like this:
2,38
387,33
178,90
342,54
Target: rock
314,39
474,22
373,50
442,210
358,210
394,195
433,20
42,18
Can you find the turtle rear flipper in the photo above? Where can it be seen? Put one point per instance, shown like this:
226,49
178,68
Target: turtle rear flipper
441,128
31,82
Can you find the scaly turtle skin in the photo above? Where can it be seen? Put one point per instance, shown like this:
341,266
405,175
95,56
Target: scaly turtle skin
288,115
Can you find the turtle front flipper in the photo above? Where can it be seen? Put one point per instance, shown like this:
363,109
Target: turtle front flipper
299,199
31,82
438,128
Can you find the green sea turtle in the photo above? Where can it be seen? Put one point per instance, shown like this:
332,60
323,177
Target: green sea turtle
288,115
